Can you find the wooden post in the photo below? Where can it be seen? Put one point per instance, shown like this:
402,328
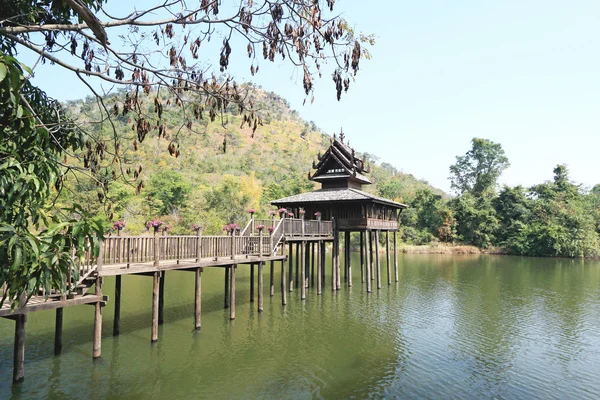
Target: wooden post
371,235
58,331
260,285
283,280
199,244
117,317
319,244
387,255
156,249
362,257
155,289
198,300
338,277
306,263
297,277
225,303
291,277
19,349
395,257
333,280
312,263
272,279
161,297
303,272
378,265
97,342
251,283
368,259
232,293
323,245
232,244
348,259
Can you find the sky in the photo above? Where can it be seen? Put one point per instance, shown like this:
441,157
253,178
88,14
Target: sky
521,73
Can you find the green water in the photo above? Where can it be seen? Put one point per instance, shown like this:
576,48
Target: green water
453,327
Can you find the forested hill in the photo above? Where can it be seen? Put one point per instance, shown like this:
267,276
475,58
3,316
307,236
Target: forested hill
222,170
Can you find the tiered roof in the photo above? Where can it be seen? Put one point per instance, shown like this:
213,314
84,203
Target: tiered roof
339,163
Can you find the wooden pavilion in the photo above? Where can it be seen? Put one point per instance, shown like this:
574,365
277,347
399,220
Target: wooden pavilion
341,199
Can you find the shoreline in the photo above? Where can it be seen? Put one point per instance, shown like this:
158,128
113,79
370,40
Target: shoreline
439,248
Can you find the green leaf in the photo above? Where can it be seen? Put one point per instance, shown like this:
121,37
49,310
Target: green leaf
2,71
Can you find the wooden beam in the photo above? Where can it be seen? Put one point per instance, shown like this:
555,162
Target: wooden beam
303,272
225,297
161,298
97,344
319,268
260,286
251,283
232,293
362,256
387,255
58,328
272,279
283,280
155,287
348,259
395,257
368,261
117,317
377,260
198,300
291,261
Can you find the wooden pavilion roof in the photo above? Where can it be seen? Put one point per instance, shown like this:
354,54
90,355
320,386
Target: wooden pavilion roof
335,195
339,162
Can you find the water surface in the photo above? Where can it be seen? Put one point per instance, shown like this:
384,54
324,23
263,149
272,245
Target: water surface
453,327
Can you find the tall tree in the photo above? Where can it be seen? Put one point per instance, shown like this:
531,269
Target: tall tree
479,169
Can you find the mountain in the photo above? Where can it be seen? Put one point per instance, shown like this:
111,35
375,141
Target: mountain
205,184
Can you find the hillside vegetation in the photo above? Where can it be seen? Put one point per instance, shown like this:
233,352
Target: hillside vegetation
222,169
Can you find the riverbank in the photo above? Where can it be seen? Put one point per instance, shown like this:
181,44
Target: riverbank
442,248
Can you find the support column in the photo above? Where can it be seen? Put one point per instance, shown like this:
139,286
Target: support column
377,260
303,271
283,280
348,259
387,257
260,285
306,263
338,275
198,300
232,293
323,249
251,283
117,317
161,297
312,263
58,325
333,278
272,280
155,290
291,274
297,277
19,350
395,257
372,265
319,267
368,261
362,256
226,295
98,321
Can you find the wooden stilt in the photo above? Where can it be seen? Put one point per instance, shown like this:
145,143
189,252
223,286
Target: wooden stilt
117,317
348,259
291,261
161,297
19,350
312,264
319,267
198,300
297,277
260,285
303,272
387,257
338,278
368,261
97,344
362,257
232,293
58,325
283,280
333,278
372,265
251,283
306,263
395,257
377,260
272,280
226,295
155,290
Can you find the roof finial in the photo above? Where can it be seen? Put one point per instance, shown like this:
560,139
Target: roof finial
342,136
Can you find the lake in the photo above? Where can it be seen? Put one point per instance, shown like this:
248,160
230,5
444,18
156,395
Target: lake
453,327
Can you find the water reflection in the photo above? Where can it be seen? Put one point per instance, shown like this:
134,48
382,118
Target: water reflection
453,327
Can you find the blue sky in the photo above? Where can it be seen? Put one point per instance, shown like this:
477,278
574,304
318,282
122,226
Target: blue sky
521,73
